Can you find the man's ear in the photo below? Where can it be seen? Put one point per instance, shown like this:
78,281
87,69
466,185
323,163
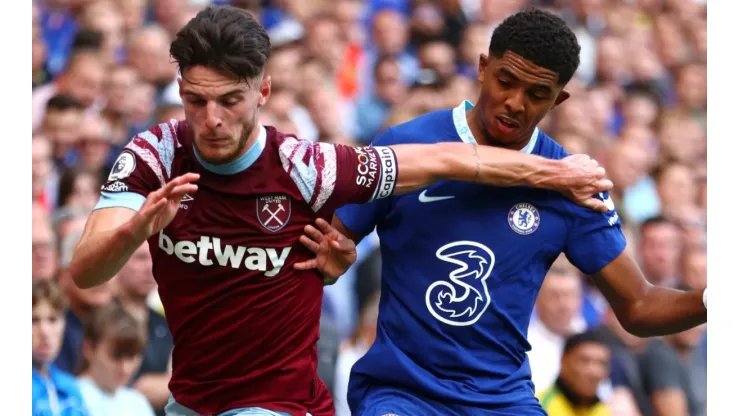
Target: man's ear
265,90
562,96
482,65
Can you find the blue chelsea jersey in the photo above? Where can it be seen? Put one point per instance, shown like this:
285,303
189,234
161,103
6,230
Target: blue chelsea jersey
462,266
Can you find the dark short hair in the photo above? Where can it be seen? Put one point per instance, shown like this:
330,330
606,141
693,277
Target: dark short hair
655,221
539,37
112,322
91,40
49,291
224,38
63,102
587,337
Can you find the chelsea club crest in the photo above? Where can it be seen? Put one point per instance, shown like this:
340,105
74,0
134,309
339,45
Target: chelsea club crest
524,218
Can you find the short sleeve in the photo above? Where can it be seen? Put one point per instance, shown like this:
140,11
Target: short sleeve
361,219
660,367
595,238
137,171
330,176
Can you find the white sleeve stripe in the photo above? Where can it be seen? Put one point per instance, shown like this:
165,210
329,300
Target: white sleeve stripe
166,148
328,175
147,156
292,153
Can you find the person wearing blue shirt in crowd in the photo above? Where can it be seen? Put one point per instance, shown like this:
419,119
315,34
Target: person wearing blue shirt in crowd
463,263
54,392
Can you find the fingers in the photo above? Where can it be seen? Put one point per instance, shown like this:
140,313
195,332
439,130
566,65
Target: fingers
324,226
312,246
306,265
595,204
312,232
605,185
185,179
179,192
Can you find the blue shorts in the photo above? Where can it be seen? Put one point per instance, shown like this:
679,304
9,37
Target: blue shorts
394,402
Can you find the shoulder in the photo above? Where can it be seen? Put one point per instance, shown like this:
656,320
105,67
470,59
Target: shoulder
429,128
156,148
63,378
547,147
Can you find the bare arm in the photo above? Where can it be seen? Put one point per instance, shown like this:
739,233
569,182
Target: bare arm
113,234
578,177
342,229
646,310
669,402
105,246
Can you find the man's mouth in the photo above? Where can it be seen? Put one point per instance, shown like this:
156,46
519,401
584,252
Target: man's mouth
508,122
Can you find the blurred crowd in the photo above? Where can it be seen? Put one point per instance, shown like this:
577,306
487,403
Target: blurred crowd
342,71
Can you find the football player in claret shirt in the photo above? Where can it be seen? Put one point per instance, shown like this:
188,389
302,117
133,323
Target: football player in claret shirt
463,263
222,201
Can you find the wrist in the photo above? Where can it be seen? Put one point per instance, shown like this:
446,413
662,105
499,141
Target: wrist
549,174
130,234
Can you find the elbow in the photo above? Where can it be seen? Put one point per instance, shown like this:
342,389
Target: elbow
632,321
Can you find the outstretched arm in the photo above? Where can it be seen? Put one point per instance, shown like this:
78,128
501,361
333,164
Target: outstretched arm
578,177
644,309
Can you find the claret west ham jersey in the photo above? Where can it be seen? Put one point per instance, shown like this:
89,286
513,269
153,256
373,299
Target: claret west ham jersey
244,322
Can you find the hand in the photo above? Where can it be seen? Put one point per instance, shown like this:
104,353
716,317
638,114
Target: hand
161,206
583,179
334,252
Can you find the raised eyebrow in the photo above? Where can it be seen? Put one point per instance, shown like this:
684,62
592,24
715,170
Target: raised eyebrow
508,74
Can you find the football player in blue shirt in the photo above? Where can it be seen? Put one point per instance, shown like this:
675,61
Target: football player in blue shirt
463,263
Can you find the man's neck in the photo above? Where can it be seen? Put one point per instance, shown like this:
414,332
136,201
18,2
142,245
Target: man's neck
475,122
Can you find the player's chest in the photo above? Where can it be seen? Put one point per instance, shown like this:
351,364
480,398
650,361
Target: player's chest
272,215
510,221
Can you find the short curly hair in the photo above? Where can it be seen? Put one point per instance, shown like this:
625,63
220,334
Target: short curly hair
539,37
224,38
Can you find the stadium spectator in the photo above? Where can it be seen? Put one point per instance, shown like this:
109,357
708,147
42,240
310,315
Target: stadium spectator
54,391
82,79
44,257
112,351
82,303
583,367
660,251
134,284
558,307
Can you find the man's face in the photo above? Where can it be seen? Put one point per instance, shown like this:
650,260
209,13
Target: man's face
677,186
388,83
440,57
85,81
109,368
221,110
40,163
61,128
660,248
515,95
559,301
44,257
390,32
584,367
324,42
94,143
120,84
135,278
283,69
694,273
47,332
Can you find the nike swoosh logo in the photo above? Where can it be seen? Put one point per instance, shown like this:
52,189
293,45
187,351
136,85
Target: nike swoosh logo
423,198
